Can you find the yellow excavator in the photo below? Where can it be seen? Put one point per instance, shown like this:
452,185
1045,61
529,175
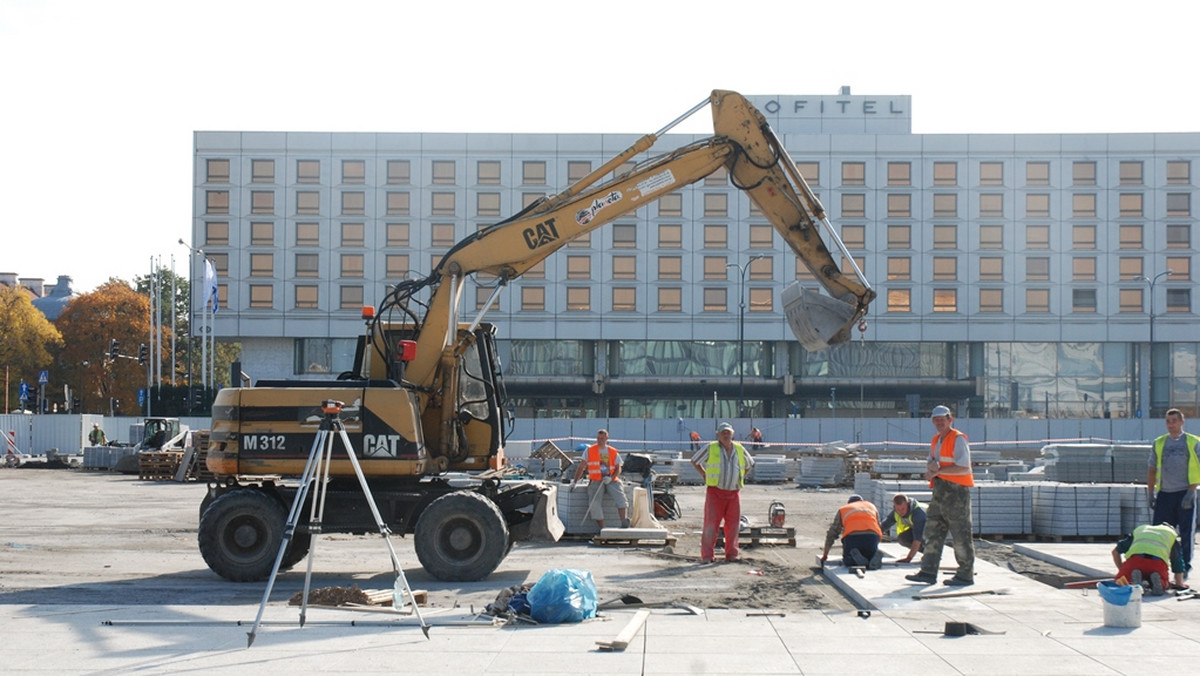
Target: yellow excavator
425,399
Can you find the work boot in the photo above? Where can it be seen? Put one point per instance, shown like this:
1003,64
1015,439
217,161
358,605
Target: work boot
876,561
1156,585
855,559
922,577
1135,578
624,523
957,581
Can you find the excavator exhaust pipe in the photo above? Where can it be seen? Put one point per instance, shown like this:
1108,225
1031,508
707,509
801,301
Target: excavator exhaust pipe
817,321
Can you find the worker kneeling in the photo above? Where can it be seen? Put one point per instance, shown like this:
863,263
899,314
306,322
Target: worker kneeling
858,524
1147,551
603,465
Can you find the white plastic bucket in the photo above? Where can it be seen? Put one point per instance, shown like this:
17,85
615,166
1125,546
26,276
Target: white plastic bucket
1122,605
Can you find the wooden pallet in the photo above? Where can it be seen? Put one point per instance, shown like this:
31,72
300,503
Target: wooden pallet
763,535
158,465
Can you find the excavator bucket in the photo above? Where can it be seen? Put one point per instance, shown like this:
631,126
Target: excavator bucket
818,321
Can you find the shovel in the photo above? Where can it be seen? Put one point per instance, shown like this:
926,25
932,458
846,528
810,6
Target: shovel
624,599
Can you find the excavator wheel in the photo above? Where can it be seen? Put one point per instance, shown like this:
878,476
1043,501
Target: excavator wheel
240,533
461,537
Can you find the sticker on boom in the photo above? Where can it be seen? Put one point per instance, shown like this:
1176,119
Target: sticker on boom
586,215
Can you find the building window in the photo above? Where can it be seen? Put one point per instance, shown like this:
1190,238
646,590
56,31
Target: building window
1179,300
533,173
899,237
671,204
538,271
1037,269
811,171
262,171
1130,236
353,203
991,300
945,173
579,267
716,237
899,300
670,236
854,205
899,173
397,234
1180,267
396,265
216,201
1037,205
945,268
716,205
220,263
482,294
945,205
802,271
1131,204
1130,267
624,267
308,171
583,241
991,173
762,237
533,298
441,234
1083,300
397,203
577,170
1179,172
528,198
670,299
945,236
579,299
308,202
1083,173
854,236
443,172
763,269
714,267
217,171
719,177
1083,205
1179,204
1083,269
715,300
308,234
991,237
262,234
352,265
487,204
1037,173
216,233
308,265
1083,237
488,172
670,267
945,300
1130,173
624,299
899,267
854,173
262,296
1037,237
306,296
354,171
1179,236
1130,300
442,203
760,300
399,172
624,236
353,234
899,206
991,269
262,265
350,298
1037,300
991,206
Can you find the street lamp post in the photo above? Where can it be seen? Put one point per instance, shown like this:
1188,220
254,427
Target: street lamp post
191,315
1151,281
742,270
82,376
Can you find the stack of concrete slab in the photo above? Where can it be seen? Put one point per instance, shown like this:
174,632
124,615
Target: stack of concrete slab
1002,509
1061,510
769,469
105,457
822,471
1130,462
573,508
1096,463
885,468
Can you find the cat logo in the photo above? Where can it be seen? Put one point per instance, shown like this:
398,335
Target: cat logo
380,444
541,234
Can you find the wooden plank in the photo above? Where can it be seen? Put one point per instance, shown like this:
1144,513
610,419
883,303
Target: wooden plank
622,640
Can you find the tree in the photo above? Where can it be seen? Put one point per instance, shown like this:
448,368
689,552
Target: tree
29,338
88,323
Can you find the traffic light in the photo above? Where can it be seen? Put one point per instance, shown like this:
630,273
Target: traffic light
114,349
76,405
143,354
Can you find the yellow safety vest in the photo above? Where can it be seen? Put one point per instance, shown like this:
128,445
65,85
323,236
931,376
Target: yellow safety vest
1193,463
904,523
712,469
1155,541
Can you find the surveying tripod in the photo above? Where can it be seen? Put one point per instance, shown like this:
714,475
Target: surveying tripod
316,471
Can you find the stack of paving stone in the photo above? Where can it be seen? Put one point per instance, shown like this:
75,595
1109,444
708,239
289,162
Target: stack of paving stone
884,468
820,470
769,469
1130,462
105,457
1062,510
1096,463
1002,509
573,506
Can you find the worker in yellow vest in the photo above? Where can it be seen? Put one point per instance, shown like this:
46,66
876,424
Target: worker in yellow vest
723,464
908,516
1147,551
1171,480
603,465
858,523
951,478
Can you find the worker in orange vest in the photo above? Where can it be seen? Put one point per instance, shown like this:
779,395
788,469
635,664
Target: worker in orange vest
951,477
858,523
603,465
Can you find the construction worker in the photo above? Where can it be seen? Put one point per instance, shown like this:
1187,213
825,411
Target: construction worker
1147,551
858,524
1171,481
96,436
950,475
723,465
908,516
604,476
695,437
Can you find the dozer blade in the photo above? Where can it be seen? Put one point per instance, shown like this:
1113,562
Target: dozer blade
818,321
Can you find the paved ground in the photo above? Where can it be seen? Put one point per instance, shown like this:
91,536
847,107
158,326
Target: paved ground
100,574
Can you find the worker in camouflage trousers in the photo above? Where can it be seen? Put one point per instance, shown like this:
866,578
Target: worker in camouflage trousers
951,478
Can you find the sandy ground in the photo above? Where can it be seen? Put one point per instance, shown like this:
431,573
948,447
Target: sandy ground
74,536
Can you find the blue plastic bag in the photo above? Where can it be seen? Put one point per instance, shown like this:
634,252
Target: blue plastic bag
563,595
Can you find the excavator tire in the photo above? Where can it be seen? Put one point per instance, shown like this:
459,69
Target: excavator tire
461,537
240,533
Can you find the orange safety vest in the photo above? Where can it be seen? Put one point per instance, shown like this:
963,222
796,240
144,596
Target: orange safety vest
594,462
860,517
945,456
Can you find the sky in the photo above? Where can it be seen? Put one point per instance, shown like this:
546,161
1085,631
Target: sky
99,99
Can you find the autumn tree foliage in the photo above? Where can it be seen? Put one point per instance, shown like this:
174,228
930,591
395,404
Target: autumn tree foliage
113,311
28,339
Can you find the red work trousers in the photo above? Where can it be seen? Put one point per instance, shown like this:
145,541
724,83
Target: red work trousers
720,506
1146,564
